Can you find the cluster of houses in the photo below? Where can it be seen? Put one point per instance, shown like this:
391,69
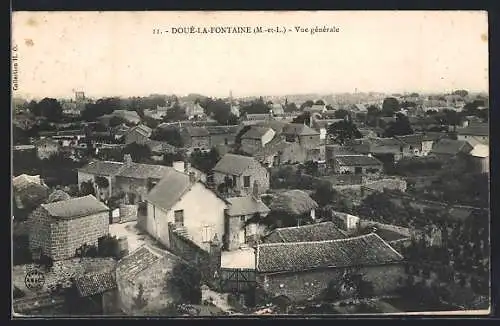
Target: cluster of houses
176,207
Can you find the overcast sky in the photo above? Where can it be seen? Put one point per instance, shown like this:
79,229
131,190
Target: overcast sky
111,53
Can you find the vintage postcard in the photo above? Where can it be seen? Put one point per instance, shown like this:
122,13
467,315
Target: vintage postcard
250,163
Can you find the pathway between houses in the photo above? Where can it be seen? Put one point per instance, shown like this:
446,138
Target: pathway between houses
135,237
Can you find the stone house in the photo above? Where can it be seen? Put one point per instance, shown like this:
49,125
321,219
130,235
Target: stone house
186,168
419,144
278,152
189,205
243,172
238,230
104,169
46,147
446,149
307,137
322,231
144,281
357,164
303,270
379,147
256,138
96,293
29,191
196,137
59,228
194,110
222,135
479,158
139,134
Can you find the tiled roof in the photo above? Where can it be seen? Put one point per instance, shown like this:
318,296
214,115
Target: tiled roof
306,233
143,171
275,125
75,207
157,146
58,195
221,130
197,131
141,129
299,129
234,164
480,150
246,206
293,202
255,132
482,129
169,190
357,160
137,261
104,168
363,250
450,147
95,283
24,180
414,140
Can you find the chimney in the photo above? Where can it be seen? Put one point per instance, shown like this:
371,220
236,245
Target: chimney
192,177
127,158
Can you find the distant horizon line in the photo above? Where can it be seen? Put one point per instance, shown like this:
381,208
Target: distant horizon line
99,96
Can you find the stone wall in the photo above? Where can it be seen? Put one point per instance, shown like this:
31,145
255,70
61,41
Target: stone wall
309,142
130,185
128,213
301,286
59,239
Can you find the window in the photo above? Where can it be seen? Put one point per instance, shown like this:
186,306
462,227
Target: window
179,217
242,218
206,235
246,181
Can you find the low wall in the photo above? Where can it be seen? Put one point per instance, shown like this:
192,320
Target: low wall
128,213
389,227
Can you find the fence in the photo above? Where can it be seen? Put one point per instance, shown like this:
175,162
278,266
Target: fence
237,280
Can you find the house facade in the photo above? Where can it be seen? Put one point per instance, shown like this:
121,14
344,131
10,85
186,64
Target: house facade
104,169
256,138
139,134
307,137
59,228
196,137
222,135
303,270
475,133
189,205
238,231
243,172
357,164
445,149
419,144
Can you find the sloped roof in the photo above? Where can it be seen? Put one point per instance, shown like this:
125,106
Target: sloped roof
480,150
75,207
24,180
222,130
363,250
299,129
479,129
169,189
306,233
255,132
450,147
414,140
161,147
357,160
246,206
143,171
141,129
105,168
197,131
325,123
234,164
273,147
293,202
95,283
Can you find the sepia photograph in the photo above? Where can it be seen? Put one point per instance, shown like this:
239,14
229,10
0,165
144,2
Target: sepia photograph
229,163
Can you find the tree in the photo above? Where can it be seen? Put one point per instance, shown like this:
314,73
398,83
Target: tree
390,106
101,107
138,152
373,113
255,107
87,188
324,193
116,121
450,117
306,104
304,118
34,108
400,127
341,114
342,131
319,102
205,162
139,301
101,182
175,113
290,107
169,134
51,109
461,93
219,110
187,280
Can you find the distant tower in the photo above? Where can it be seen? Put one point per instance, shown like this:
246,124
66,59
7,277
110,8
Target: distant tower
79,96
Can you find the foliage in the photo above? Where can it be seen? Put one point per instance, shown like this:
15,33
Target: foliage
219,110
116,121
342,131
170,158
170,135
304,118
187,279
290,107
87,188
138,152
255,107
281,219
47,107
390,106
204,162
140,301
417,165
101,107
101,182
87,251
461,92
319,102
372,115
175,113
306,104
400,127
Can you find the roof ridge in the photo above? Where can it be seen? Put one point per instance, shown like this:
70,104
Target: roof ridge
322,241
302,226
